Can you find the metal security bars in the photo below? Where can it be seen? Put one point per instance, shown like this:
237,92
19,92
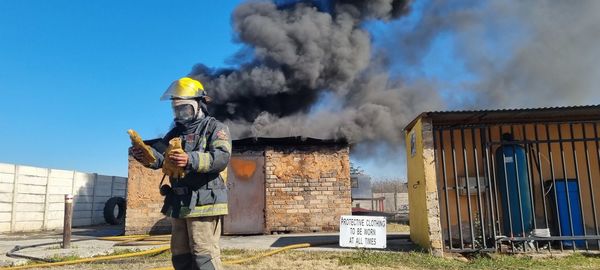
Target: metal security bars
519,187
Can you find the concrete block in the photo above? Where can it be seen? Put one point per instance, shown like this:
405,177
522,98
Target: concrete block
84,190
6,187
99,206
120,180
82,199
96,220
30,207
56,207
84,179
5,206
79,222
30,198
32,180
55,215
54,173
5,216
102,188
104,178
6,197
54,224
56,198
82,214
7,168
28,226
4,227
33,171
7,178
30,189
29,216
82,207
117,185
59,190
119,193
101,199
61,182
98,217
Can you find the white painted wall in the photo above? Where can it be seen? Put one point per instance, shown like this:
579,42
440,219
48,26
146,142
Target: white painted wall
32,199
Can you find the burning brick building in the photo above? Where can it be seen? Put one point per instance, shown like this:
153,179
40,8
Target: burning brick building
274,185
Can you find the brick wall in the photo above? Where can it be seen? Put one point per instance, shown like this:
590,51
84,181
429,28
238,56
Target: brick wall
307,188
144,201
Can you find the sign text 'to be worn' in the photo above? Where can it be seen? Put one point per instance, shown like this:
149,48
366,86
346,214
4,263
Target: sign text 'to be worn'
362,231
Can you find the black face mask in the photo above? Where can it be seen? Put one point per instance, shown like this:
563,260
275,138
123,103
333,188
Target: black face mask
184,114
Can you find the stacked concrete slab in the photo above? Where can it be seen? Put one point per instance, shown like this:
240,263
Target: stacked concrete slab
32,198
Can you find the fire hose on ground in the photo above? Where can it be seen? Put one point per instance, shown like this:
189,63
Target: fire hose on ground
143,240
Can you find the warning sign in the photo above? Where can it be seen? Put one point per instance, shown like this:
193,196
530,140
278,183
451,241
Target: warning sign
362,231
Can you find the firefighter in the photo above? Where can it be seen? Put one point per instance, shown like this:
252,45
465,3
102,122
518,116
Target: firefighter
195,202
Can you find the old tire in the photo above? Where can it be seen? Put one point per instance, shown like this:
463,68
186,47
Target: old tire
114,211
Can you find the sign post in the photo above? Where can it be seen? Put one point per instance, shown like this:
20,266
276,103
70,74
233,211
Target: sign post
363,232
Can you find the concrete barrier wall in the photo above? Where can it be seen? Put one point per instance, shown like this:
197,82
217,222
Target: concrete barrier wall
391,204
400,200
32,198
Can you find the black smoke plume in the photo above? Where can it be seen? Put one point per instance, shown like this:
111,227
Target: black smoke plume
295,56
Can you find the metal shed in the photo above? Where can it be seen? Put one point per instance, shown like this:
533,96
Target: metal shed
517,180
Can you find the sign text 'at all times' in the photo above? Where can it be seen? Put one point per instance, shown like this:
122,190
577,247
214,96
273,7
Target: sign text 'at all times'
363,231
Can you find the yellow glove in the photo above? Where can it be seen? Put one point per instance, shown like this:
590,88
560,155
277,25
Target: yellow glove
147,157
169,167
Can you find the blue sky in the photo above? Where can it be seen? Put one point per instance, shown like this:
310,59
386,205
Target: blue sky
75,75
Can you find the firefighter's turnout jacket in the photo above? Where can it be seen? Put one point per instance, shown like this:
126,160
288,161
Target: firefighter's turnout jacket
202,191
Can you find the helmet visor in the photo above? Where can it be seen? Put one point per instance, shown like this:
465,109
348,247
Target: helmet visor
183,113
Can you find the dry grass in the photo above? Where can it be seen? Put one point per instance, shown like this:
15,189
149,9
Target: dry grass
303,260
362,259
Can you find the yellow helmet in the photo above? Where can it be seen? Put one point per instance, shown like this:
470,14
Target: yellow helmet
184,88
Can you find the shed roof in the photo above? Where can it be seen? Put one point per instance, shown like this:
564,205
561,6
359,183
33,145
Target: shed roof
288,141
526,115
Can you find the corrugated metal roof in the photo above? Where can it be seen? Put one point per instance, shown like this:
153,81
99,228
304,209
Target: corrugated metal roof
546,114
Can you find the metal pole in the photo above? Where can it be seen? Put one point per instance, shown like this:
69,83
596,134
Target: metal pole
530,178
574,146
541,175
395,198
444,176
508,204
67,223
552,175
456,188
591,186
490,173
479,205
468,187
566,176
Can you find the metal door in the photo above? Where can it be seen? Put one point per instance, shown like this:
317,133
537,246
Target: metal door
246,194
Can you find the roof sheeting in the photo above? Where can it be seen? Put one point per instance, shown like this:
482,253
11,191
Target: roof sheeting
528,115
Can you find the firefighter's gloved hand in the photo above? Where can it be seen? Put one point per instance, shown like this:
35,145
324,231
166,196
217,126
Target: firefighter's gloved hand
140,151
137,153
180,159
170,166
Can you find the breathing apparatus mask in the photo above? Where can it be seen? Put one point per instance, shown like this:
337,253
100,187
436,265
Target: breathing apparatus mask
185,110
